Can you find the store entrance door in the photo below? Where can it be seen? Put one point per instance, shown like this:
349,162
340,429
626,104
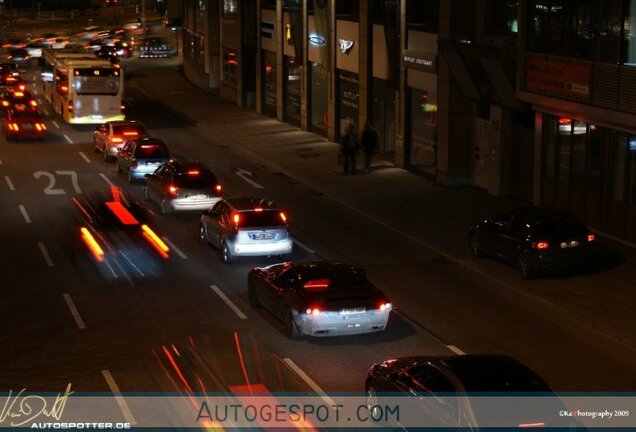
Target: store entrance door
384,123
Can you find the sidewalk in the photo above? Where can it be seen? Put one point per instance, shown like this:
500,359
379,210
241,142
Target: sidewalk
436,217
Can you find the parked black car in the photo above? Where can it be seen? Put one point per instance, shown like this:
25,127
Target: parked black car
535,240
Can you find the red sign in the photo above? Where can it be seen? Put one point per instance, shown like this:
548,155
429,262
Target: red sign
559,79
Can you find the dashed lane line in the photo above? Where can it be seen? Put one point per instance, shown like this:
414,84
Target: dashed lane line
67,138
55,124
85,157
175,248
9,183
25,215
46,255
106,179
76,315
228,302
311,383
119,398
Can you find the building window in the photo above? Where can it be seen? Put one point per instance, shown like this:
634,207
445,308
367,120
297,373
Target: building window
230,9
502,17
629,24
619,154
230,66
608,35
548,27
582,31
199,16
422,15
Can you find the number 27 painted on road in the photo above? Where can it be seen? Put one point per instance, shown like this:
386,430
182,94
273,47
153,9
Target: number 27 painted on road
50,188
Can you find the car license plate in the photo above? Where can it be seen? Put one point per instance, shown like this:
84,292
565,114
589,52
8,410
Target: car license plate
197,196
97,116
27,126
569,244
352,311
262,236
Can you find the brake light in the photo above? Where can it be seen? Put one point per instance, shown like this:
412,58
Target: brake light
64,88
172,190
218,188
385,306
236,218
18,94
313,311
540,245
33,103
15,127
5,103
130,133
70,107
21,87
317,284
193,172
591,237
116,140
122,107
258,209
283,217
40,126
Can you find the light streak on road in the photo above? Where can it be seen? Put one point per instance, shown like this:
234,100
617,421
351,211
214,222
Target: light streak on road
456,350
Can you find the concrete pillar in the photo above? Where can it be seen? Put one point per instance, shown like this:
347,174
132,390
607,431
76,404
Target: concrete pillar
365,63
499,182
280,54
304,71
536,169
401,97
259,63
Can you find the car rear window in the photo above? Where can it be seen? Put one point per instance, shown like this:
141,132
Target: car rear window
265,218
152,151
201,180
337,279
121,130
559,227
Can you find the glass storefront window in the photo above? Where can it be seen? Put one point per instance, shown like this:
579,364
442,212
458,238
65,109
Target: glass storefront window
629,29
608,35
269,83
564,140
423,109
582,32
293,82
579,138
619,155
349,98
230,66
502,16
319,103
594,155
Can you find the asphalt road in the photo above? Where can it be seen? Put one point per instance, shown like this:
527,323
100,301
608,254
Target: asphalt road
64,322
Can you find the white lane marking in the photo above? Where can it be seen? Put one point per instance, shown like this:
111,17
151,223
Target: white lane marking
85,157
119,398
45,254
176,249
71,306
9,183
311,383
27,219
456,350
106,179
55,124
228,302
305,247
46,112
245,175
68,139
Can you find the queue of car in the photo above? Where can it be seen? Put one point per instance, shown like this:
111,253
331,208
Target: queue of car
19,108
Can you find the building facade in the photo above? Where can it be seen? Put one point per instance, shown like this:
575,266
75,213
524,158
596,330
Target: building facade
525,98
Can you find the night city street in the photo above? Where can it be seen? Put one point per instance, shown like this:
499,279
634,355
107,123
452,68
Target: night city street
108,310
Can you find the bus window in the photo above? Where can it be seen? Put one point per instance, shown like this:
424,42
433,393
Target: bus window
61,83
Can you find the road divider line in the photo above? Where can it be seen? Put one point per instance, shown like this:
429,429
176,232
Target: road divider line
119,398
175,248
55,124
228,302
25,215
305,247
68,139
45,254
456,350
85,157
71,306
46,112
311,383
9,183
106,179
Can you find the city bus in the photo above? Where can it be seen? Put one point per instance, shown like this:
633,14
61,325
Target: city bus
80,87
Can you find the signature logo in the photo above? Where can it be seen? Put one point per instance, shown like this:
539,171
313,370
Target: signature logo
345,45
20,409
317,40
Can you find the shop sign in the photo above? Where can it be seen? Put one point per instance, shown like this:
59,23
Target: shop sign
345,46
557,78
421,60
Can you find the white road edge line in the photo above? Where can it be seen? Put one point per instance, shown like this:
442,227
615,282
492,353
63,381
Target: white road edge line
305,247
228,302
311,383
176,249
456,350
45,254
27,219
106,179
119,398
68,139
78,319
85,157
9,183
55,124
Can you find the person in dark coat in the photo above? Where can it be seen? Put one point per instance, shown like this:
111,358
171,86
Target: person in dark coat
350,147
369,142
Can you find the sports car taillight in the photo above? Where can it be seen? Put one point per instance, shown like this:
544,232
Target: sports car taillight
40,126
385,306
172,191
591,237
313,311
540,245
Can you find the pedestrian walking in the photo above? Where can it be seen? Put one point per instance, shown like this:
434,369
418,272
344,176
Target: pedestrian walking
369,142
350,147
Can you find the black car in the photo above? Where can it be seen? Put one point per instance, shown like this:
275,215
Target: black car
534,239
444,392
319,298
109,53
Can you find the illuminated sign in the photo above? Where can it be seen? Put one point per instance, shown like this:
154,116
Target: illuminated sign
345,46
317,40
421,60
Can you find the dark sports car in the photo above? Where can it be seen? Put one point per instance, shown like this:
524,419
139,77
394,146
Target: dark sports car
319,298
534,239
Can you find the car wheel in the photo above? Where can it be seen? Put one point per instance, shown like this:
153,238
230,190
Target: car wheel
525,269
146,193
373,400
203,236
165,207
475,250
291,327
226,254
252,296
